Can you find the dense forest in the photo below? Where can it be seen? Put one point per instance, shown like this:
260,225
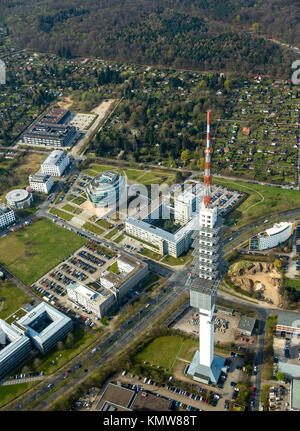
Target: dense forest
207,35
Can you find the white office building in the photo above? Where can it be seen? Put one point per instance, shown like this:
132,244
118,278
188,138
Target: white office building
41,182
7,216
14,348
44,326
98,302
56,163
185,205
270,238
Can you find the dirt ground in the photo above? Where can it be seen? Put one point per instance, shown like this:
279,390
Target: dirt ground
259,277
102,108
65,102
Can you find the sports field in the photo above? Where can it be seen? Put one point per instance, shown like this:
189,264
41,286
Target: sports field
37,248
163,351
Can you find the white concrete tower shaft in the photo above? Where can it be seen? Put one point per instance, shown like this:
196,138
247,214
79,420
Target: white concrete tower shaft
206,334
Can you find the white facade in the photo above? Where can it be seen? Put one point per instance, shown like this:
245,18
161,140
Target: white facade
7,216
41,183
56,163
19,198
14,348
206,334
279,233
185,204
124,266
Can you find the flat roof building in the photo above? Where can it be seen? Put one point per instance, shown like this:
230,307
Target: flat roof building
246,325
14,348
295,394
55,116
55,163
45,326
115,398
7,216
272,237
41,182
288,323
144,401
19,198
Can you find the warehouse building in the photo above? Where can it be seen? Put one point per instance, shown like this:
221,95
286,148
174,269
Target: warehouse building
44,326
7,216
41,182
55,163
14,348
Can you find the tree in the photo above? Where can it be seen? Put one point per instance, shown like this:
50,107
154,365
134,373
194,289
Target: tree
256,26
278,264
178,176
280,376
200,163
60,346
185,156
36,363
70,340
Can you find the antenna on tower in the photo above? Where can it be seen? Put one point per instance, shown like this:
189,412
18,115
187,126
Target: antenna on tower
207,175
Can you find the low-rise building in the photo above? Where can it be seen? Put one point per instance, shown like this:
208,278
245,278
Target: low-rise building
19,198
288,323
246,325
7,216
270,238
295,394
115,398
41,182
14,348
44,326
55,163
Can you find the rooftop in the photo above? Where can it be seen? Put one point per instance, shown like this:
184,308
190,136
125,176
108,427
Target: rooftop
115,396
295,394
4,209
39,177
12,340
145,401
17,195
246,323
288,319
55,157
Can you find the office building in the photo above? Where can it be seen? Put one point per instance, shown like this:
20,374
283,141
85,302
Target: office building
288,323
270,238
106,189
19,199
185,205
44,326
41,183
7,216
56,116
55,163
14,348
246,326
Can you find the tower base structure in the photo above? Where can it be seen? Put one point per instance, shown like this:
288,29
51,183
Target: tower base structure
205,374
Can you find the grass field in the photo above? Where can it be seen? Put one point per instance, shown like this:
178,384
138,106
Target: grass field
104,223
10,392
11,298
119,238
181,260
151,254
79,200
61,214
33,251
164,351
289,282
92,228
112,233
262,202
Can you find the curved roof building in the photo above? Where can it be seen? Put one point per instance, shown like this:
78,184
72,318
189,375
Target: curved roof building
105,189
19,198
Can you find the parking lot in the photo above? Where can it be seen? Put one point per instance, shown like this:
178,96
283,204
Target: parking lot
279,397
82,121
84,265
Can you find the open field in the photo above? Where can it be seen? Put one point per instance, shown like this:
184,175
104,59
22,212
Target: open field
11,298
33,251
163,351
262,202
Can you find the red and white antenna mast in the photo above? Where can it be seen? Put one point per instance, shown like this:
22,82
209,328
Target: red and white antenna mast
207,175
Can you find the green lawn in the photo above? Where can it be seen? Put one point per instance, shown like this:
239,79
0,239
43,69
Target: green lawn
92,228
61,214
262,202
104,223
141,240
181,260
163,351
151,254
112,233
114,268
10,392
78,201
37,248
289,282
119,238
11,297
81,341
72,209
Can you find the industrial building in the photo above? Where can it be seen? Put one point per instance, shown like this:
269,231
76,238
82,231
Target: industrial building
270,238
14,348
203,281
40,182
55,163
112,288
44,326
7,216
246,326
106,189
19,198
288,323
